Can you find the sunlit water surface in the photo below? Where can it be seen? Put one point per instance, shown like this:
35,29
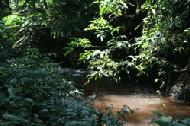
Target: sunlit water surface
145,105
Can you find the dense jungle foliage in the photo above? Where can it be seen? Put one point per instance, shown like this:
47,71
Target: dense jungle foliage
133,41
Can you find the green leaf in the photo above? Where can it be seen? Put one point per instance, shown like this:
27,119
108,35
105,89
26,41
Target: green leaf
163,121
186,121
13,118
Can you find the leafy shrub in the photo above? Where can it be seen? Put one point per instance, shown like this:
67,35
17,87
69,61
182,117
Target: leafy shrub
100,64
102,28
76,43
100,61
34,92
163,120
58,15
165,40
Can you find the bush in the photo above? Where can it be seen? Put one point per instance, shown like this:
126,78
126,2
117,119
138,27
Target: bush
34,92
164,120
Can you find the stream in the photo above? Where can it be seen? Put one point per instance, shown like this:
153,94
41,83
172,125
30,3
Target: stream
144,105
145,101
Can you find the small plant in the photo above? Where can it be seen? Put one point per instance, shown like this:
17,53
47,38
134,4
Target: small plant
124,112
102,28
163,120
100,65
75,44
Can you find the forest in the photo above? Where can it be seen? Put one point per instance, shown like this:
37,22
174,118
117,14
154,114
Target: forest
94,62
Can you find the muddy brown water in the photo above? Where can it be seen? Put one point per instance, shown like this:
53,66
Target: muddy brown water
145,105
